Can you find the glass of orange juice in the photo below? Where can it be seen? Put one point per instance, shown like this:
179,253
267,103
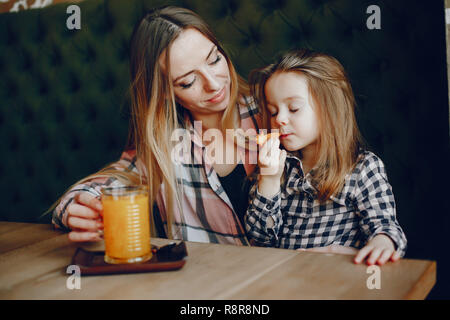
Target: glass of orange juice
126,224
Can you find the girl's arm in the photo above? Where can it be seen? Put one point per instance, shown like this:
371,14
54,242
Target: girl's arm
263,219
376,206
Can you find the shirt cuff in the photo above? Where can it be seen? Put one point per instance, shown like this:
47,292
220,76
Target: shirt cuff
268,205
269,209
393,234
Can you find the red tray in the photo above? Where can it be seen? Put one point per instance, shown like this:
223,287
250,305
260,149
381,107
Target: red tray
166,258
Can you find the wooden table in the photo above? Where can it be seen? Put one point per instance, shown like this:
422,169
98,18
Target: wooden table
34,260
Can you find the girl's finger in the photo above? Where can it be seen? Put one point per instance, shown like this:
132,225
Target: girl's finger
361,255
263,161
374,256
276,143
264,150
275,159
270,147
274,148
385,256
80,236
84,224
395,256
89,200
263,156
283,155
82,211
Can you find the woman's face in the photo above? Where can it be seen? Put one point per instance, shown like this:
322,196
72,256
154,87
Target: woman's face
199,74
292,110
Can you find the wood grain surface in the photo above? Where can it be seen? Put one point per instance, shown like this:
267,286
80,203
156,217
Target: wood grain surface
34,260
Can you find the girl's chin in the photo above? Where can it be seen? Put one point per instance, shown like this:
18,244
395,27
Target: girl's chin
290,146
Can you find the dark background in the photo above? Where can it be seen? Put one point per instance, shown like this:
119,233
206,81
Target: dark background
64,100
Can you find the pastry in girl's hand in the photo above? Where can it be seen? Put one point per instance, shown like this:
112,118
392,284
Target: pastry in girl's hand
262,138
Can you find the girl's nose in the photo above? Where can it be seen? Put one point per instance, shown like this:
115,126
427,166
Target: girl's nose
282,119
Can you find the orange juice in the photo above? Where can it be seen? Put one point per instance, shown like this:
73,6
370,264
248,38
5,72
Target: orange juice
126,225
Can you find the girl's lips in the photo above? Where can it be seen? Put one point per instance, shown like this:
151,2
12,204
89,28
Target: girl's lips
285,135
218,97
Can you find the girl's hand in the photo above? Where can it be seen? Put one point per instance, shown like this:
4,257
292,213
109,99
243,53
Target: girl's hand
84,218
378,250
271,162
271,159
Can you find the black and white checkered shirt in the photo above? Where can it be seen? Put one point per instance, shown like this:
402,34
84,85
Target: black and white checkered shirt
294,218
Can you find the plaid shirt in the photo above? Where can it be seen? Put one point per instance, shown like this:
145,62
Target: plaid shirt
294,218
207,214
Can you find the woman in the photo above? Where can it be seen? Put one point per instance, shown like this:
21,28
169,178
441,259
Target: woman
180,75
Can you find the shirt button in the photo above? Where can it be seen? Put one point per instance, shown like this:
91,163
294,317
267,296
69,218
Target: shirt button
269,206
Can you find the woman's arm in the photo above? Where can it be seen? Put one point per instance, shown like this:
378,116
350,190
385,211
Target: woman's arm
79,209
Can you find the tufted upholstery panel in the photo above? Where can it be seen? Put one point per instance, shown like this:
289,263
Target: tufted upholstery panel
64,102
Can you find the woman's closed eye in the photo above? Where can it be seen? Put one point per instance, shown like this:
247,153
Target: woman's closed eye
187,85
272,112
218,58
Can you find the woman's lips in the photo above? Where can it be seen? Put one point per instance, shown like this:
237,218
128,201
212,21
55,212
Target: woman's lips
218,97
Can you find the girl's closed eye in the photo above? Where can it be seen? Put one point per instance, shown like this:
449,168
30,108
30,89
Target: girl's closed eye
295,108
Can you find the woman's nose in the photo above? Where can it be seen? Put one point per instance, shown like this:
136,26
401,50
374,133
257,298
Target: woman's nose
211,82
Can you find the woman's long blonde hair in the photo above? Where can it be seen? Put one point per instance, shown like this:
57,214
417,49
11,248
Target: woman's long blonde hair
154,111
339,140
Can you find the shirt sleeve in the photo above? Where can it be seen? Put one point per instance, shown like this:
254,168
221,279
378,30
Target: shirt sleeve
59,216
263,219
376,205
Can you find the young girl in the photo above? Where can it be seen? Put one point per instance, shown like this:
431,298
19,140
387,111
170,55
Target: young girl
327,191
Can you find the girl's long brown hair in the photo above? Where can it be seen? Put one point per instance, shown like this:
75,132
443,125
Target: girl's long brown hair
154,112
339,141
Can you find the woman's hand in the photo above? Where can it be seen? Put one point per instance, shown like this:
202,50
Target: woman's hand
378,250
84,218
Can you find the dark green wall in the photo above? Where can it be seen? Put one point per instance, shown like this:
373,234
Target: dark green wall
64,102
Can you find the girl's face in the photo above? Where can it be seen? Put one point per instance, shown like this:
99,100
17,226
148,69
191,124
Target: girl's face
292,110
199,73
